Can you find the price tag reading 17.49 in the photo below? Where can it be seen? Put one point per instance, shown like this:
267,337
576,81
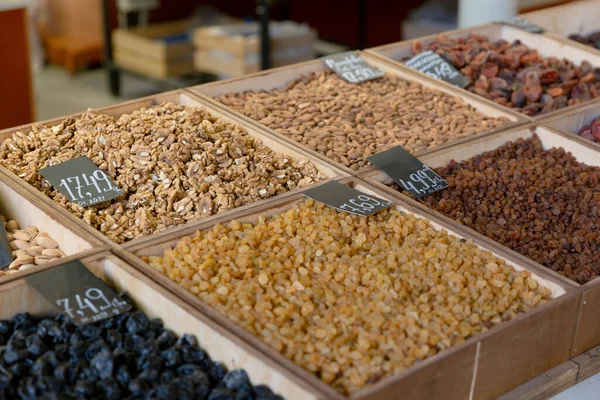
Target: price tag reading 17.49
81,182
408,172
78,293
345,198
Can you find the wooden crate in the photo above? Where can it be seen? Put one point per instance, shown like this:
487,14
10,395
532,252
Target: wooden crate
578,17
484,366
178,97
234,49
18,296
23,207
587,332
573,120
279,77
547,46
142,50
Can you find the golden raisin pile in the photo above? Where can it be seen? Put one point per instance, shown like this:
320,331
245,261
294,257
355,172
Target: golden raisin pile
351,299
541,203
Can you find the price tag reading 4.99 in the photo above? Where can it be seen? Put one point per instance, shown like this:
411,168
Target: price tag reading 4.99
78,293
345,198
408,172
81,182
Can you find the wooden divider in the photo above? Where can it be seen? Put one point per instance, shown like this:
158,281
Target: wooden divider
587,330
327,170
485,366
546,45
279,77
18,296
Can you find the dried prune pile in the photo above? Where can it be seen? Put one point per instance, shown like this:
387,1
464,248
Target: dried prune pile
541,203
591,131
124,357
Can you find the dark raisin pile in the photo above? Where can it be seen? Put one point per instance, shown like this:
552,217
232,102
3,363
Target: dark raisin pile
125,357
541,203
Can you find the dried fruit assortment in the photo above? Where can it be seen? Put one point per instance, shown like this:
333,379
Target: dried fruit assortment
175,163
592,39
30,247
351,299
541,203
591,131
516,76
127,356
348,122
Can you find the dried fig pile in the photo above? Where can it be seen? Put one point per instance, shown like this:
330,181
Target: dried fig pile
516,76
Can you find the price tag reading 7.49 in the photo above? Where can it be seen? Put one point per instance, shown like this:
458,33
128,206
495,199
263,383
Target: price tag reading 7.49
408,172
81,182
345,198
78,293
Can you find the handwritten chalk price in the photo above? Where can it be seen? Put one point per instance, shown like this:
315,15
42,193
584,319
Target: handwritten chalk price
351,67
345,198
93,306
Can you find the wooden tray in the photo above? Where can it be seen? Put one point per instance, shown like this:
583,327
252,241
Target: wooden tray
18,204
178,97
484,366
547,46
587,331
577,17
278,77
573,120
18,296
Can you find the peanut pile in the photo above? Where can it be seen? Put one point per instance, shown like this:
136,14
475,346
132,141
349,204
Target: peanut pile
541,203
514,75
351,299
348,122
30,247
175,164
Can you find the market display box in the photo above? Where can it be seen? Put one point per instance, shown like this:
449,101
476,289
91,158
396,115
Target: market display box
573,120
159,51
19,296
23,207
484,366
574,18
587,330
326,170
279,77
545,45
234,49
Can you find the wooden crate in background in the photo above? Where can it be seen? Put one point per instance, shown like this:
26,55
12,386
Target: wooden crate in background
158,51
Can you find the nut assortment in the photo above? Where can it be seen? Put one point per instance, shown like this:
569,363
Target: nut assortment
348,122
351,299
175,163
30,247
591,131
592,39
541,203
516,76
123,357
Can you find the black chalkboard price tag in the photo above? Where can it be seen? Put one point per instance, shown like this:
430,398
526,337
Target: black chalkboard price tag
81,182
434,65
78,293
345,198
6,256
524,24
408,172
351,67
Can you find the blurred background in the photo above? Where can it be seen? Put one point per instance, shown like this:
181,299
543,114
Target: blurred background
64,56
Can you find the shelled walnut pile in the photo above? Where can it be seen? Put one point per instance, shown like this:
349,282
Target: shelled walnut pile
541,203
175,164
348,122
30,247
351,299
514,75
